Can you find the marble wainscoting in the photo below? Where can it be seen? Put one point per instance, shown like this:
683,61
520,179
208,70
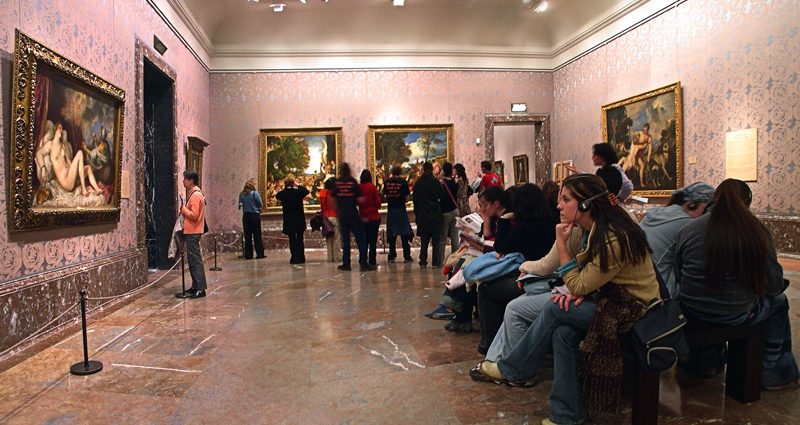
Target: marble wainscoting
30,302
273,239
785,232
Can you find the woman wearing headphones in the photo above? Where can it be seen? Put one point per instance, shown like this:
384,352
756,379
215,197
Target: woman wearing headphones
728,273
615,249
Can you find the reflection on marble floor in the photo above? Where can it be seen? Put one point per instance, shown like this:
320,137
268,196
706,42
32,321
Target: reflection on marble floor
274,343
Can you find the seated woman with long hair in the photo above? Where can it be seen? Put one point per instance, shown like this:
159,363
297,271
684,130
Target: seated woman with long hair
528,229
614,277
728,273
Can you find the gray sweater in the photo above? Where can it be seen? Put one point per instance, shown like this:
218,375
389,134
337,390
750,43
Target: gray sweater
661,226
690,275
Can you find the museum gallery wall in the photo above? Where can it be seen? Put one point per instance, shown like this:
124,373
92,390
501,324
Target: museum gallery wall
39,269
243,103
737,69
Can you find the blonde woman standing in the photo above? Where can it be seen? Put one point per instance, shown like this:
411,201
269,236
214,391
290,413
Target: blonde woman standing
250,204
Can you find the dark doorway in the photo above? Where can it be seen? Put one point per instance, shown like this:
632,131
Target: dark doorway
159,165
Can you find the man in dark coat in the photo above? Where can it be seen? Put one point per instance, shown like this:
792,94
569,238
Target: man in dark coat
347,193
427,193
294,219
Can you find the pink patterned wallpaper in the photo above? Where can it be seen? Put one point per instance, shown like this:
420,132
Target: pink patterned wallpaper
243,103
738,64
99,35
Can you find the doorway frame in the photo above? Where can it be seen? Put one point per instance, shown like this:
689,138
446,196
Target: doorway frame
144,51
542,148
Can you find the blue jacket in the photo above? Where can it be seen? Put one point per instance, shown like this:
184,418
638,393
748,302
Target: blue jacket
488,266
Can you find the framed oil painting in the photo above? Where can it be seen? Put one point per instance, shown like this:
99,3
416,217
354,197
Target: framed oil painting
310,155
500,170
65,156
646,131
194,157
520,169
407,146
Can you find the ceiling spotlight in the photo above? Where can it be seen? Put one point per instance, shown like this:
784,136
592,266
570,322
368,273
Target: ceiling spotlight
277,6
303,1
398,2
541,7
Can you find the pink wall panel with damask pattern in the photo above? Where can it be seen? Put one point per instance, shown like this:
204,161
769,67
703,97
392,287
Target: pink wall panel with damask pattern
738,65
98,35
243,103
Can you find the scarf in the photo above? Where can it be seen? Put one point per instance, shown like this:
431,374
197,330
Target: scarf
601,356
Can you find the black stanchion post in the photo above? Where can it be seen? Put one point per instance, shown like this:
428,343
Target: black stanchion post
85,367
183,293
216,268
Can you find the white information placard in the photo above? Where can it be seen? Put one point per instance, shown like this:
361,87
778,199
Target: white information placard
741,155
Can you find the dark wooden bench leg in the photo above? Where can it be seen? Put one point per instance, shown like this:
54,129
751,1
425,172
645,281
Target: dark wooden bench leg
745,364
645,398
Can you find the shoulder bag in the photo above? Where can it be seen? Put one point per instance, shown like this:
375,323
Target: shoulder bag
657,337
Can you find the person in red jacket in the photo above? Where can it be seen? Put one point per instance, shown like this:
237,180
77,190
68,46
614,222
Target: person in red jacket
368,208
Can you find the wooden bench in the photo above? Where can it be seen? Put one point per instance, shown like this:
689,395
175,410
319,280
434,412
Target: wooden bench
742,374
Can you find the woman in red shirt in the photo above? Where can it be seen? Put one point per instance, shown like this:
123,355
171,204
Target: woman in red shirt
327,204
368,210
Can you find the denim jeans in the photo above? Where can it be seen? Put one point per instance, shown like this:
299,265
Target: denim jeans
361,241
780,366
493,297
563,331
519,316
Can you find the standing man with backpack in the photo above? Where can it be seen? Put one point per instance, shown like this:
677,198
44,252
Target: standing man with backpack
194,214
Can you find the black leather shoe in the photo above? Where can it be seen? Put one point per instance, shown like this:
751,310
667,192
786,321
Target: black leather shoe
198,294
344,267
191,291
365,267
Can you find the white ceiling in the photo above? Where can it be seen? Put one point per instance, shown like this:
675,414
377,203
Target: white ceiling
346,34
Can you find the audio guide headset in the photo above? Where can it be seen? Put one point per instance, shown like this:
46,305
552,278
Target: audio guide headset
585,205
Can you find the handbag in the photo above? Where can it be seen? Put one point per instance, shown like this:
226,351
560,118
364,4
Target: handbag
320,222
657,337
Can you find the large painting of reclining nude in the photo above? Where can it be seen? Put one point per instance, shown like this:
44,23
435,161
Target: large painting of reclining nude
65,156
407,146
646,131
310,155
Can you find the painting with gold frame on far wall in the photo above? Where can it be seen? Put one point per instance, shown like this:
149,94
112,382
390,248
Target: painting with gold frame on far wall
521,169
310,155
500,170
407,146
194,157
65,156
646,131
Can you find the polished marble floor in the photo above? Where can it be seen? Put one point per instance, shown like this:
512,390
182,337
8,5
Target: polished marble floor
280,344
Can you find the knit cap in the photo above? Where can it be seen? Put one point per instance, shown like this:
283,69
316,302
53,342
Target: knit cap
698,192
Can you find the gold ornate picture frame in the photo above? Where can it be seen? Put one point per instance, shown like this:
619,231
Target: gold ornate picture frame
521,174
65,153
500,170
311,155
646,131
407,146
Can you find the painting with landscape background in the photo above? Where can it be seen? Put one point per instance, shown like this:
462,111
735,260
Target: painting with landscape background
646,132
310,155
407,146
